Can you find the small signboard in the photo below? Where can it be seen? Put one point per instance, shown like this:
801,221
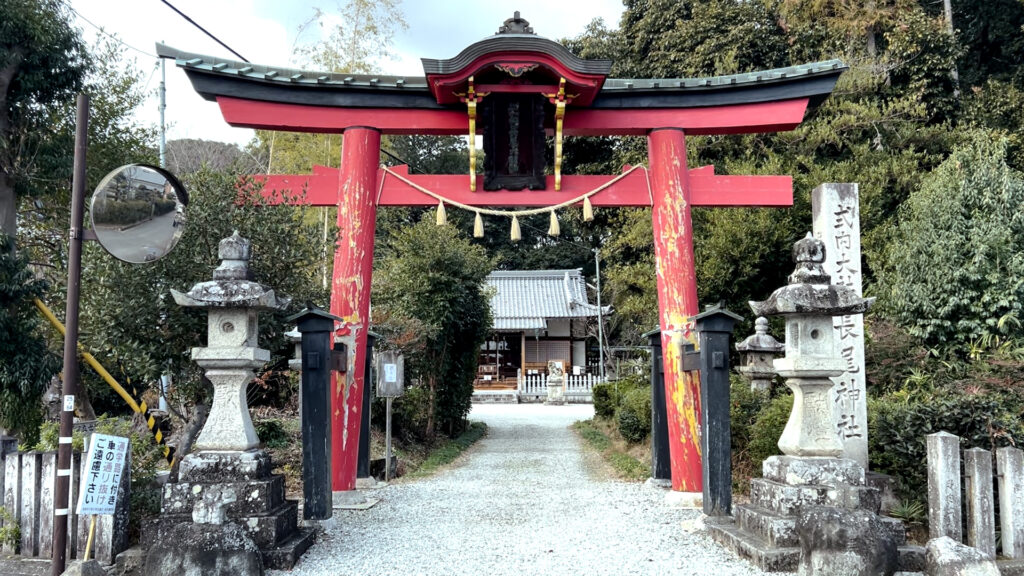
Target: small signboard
104,466
390,374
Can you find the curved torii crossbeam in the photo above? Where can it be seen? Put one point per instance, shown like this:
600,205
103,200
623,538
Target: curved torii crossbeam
514,79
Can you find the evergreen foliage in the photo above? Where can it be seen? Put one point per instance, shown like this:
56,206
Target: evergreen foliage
436,278
26,364
634,414
956,264
42,66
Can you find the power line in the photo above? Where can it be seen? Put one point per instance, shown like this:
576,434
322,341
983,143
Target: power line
108,34
205,31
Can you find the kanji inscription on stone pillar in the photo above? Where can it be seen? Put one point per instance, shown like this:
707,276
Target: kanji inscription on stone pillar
836,209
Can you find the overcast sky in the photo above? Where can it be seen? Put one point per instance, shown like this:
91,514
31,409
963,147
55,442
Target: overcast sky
264,32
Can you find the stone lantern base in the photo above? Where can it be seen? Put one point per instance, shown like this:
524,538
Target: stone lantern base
764,530
253,498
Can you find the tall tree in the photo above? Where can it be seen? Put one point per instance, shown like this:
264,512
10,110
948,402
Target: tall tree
42,63
116,138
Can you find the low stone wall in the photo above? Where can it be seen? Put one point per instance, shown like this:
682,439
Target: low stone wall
570,397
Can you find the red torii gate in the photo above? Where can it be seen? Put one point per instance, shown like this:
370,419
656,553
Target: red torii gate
525,87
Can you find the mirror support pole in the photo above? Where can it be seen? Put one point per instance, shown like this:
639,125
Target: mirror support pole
62,497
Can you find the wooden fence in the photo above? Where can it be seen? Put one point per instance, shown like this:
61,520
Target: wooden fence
577,387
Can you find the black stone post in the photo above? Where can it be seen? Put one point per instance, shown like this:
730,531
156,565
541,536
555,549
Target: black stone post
317,329
714,327
661,464
369,387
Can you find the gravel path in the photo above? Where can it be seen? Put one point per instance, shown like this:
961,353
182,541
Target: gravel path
521,501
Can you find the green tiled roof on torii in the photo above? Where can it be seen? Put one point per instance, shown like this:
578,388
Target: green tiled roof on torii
213,76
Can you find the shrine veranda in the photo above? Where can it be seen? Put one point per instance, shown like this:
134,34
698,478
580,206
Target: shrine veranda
516,88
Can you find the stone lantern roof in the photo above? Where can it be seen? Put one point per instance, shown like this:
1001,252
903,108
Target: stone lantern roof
810,290
231,286
761,340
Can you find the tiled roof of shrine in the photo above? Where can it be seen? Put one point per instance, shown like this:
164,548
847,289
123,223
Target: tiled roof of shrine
525,299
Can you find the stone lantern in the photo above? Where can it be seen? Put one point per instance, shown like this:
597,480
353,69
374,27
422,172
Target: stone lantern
756,355
231,354
813,511
226,496
808,303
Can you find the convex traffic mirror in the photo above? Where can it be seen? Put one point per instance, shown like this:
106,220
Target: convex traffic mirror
138,213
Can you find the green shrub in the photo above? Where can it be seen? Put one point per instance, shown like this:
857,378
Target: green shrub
272,433
897,430
604,400
409,413
49,431
608,396
767,428
123,212
744,407
10,534
634,414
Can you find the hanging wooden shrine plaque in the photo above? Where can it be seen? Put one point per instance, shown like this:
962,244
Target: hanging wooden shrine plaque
513,127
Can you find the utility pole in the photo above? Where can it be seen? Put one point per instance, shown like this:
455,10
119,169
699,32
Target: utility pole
600,313
62,497
163,107
954,73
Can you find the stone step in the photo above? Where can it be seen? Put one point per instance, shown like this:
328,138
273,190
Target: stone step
252,497
287,553
777,530
271,529
752,548
780,530
786,559
911,559
896,528
815,471
1010,566
495,397
786,499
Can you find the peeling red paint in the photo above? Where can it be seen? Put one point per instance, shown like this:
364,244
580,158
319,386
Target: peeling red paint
350,294
706,189
677,300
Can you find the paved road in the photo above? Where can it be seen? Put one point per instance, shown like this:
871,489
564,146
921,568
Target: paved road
525,501
147,239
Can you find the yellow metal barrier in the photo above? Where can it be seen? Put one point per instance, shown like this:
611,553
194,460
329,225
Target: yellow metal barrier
138,407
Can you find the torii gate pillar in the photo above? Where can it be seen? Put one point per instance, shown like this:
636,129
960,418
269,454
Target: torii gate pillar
677,299
350,293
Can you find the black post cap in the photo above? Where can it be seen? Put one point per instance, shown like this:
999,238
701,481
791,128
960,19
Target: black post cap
313,319
716,319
